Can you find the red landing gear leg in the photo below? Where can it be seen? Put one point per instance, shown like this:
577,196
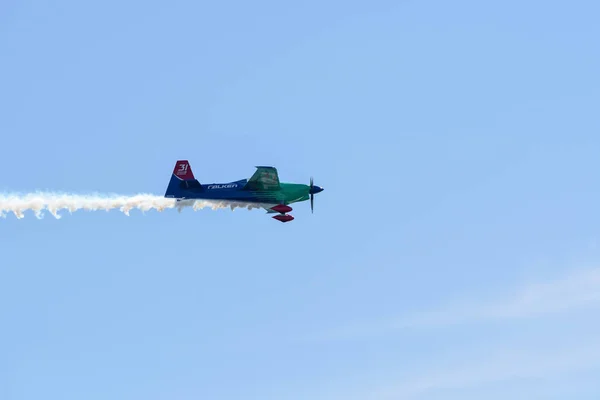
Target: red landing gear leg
282,209
283,217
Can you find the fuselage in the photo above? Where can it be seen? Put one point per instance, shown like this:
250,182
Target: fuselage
234,191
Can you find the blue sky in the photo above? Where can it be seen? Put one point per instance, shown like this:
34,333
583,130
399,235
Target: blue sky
453,254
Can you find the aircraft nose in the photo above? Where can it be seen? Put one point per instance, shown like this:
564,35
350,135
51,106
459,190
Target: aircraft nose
316,189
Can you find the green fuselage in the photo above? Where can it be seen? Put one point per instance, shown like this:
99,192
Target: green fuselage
287,193
294,192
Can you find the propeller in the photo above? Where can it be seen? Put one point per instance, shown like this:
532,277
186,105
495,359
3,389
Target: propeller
312,190
312,196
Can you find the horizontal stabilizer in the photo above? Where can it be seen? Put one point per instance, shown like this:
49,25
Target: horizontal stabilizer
191,184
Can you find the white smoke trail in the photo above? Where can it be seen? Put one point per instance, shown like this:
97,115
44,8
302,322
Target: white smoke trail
39,202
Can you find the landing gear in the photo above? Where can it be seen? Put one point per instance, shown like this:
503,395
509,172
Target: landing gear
283,217
282,209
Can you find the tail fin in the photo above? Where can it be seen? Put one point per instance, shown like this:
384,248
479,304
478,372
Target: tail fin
183,170
182,179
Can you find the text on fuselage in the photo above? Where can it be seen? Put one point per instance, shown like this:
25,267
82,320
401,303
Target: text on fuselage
226,186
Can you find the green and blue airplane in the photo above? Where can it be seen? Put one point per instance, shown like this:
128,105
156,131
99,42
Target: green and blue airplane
263,189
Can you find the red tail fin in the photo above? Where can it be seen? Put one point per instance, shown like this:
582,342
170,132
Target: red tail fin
183,170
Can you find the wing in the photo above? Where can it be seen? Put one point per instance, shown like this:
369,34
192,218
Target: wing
264,179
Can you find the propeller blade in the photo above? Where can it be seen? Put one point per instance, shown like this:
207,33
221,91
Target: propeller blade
312,195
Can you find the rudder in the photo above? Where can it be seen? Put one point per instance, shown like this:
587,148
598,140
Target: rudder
183,170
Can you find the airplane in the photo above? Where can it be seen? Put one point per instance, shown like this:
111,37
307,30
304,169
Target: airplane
263,189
